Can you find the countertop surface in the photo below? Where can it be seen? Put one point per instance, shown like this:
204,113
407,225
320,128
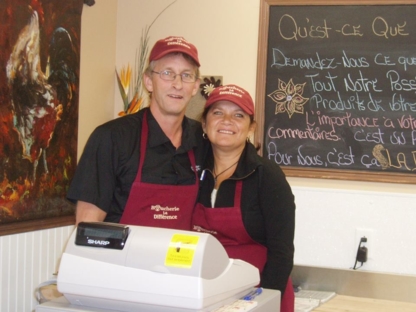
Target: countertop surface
355,304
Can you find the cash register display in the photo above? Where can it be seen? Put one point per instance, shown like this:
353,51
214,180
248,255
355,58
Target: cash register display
100,234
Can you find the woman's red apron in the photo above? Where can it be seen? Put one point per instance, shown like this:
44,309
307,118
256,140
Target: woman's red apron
226,224
158,205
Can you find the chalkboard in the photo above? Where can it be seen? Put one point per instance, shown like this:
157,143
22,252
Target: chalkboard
336,89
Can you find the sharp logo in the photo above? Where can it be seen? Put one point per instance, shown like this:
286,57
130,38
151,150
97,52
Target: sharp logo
98,242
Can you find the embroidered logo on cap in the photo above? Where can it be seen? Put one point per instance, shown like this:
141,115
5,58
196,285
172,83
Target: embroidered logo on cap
178,41
232,90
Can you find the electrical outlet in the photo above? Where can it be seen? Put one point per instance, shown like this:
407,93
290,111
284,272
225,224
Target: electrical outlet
370,244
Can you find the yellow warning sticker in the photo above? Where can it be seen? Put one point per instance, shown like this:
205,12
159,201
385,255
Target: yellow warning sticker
181,251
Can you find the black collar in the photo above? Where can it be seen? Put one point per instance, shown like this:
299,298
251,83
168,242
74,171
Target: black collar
158,137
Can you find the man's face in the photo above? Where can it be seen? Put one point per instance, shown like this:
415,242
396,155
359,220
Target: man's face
171,97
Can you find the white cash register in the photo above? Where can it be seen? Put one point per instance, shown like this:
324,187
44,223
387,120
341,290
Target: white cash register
115,267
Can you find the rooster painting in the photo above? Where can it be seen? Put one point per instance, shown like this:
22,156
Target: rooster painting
38,107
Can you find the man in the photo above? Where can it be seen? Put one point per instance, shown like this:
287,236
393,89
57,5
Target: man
142,169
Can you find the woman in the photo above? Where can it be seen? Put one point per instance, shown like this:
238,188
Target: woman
254,209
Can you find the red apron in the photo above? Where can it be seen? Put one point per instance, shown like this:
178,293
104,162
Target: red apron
226,224
158,205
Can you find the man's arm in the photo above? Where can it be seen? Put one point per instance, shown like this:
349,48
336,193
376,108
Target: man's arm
89,213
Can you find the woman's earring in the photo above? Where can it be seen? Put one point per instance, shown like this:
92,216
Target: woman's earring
204,135
248,140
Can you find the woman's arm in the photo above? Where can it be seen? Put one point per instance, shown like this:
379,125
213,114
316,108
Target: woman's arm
277,204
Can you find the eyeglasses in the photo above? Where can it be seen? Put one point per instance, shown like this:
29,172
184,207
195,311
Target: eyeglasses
171,76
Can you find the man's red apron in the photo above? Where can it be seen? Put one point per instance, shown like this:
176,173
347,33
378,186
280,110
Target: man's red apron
226,224
158,205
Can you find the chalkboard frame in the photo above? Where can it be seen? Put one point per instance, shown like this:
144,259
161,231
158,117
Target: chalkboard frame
261,78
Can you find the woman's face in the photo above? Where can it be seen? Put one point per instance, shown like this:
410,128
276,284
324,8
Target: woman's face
227,125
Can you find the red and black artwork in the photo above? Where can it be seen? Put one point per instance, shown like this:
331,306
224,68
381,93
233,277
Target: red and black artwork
39,87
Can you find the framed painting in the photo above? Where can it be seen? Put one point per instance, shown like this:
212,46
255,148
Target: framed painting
39,87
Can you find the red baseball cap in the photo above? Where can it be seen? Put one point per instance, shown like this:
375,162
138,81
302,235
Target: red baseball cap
173,44
234,94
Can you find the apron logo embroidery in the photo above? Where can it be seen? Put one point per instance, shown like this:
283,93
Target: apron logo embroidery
163,212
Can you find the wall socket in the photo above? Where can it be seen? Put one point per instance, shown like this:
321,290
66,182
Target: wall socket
370,244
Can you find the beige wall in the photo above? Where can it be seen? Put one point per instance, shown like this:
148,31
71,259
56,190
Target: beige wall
98,55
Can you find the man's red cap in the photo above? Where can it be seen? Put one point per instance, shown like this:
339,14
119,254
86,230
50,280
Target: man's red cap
173,44
234,94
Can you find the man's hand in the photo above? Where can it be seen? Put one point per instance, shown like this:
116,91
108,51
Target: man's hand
86,212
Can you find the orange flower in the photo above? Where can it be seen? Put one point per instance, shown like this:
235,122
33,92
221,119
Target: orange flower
133,107
123,81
